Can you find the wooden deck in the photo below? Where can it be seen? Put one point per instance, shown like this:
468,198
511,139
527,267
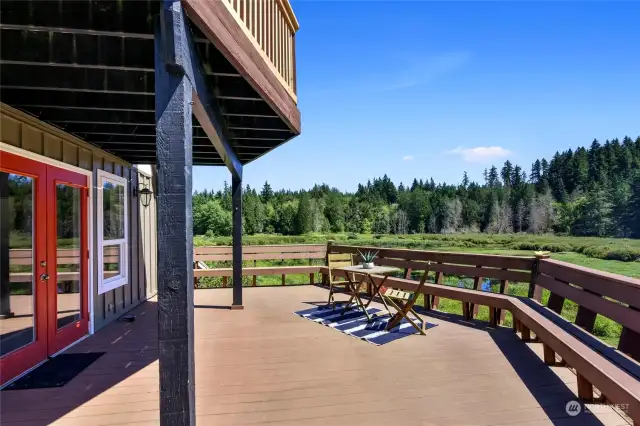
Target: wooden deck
266,365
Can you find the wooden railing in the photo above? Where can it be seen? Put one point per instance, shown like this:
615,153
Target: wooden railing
272,26
596,293
615,373
476,266
310,252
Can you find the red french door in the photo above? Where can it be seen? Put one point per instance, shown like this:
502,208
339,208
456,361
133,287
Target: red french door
44,262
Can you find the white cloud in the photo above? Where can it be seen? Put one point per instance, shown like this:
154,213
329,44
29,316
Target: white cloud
481,154
407,158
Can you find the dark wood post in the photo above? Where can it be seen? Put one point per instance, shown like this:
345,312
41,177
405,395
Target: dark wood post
236,200
174,130
5,227
535,292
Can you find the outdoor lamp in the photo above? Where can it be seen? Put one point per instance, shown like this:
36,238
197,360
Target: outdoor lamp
144,194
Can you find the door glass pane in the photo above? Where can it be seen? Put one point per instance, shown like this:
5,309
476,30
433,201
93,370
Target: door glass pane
112,259
68,254
17,301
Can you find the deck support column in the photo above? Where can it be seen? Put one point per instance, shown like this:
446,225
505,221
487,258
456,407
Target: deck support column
236,200
173,96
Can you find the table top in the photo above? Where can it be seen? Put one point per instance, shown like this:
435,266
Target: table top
375,270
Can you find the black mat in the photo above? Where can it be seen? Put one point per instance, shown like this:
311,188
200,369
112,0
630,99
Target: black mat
56,372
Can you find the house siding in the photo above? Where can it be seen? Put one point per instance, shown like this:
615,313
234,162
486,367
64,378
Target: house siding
27,132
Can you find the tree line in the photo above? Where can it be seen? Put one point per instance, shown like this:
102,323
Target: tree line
592,191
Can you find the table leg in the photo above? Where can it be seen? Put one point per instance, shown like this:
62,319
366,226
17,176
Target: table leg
377,292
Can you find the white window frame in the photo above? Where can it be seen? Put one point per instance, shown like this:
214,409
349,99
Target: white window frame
123,278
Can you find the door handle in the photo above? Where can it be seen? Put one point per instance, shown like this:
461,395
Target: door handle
44,277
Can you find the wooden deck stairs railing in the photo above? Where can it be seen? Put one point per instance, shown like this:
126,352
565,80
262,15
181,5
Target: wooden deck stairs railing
614,372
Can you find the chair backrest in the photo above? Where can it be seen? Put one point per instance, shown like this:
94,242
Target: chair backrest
407,295
338,260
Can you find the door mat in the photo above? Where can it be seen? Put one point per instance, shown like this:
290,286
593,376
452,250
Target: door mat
56,372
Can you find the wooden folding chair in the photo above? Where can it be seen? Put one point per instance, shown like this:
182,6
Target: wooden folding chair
403,301
337,260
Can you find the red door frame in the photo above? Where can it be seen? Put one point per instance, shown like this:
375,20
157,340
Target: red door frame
49,340
20,360
61,338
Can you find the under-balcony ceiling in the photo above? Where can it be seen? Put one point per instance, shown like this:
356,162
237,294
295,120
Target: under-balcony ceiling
88,68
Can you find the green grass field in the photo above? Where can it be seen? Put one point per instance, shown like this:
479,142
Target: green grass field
620,256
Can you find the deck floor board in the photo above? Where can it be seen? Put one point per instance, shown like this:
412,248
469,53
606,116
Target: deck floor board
265,365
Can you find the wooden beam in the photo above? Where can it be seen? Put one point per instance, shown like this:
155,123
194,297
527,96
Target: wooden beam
81,31
236,200
175,227
184,57
102,67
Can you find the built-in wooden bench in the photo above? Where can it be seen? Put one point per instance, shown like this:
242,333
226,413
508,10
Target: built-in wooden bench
614,372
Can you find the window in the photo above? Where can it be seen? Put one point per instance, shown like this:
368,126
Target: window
113,235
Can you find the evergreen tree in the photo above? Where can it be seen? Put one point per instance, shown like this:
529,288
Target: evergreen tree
267,193
586,191
465,180
536,173
507,173
493,180
632,211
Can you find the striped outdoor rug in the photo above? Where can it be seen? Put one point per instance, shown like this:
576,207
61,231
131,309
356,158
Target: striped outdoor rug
354,323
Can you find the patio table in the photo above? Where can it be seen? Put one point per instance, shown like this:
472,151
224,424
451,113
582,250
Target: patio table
354,289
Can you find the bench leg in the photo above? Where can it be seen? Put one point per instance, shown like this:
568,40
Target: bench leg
466,311
585,389
493,317
549,355
525,332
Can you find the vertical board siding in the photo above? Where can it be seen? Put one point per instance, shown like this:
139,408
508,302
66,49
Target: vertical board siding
98,299
31,139
26,132
10,130
134,224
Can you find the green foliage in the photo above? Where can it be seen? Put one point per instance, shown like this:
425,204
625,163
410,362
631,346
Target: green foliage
210,217
592,191
303,223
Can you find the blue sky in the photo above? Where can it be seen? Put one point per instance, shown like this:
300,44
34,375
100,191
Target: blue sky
431,89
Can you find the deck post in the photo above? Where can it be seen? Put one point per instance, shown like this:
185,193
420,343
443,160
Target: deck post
236,201
5,228
173,98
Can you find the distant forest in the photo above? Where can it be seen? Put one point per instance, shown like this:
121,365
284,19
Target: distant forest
592,191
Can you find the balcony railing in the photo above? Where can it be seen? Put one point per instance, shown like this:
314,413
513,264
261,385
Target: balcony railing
271,25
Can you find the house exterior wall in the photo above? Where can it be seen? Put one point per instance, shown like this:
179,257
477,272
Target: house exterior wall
30,134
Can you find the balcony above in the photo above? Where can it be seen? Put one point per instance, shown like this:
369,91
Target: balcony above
88,68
